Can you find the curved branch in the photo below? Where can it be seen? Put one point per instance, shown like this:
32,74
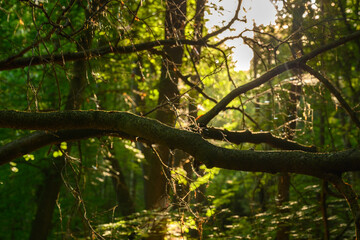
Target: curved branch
314,164
334,91
68,57
206,118
39,139
254,137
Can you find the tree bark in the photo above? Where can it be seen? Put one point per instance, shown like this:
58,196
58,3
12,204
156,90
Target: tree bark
152,131
154,170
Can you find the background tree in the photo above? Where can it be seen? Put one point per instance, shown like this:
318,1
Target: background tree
151,83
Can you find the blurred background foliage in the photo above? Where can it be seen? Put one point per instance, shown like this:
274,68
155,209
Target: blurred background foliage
233,205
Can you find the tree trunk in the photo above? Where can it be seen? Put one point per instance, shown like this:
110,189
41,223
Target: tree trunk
41,225
154,171
125,202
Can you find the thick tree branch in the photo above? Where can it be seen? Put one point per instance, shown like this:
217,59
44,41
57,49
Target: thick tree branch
315,164
39,139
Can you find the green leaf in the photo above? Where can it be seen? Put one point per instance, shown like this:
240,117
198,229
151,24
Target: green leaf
57,154
28,157
63,146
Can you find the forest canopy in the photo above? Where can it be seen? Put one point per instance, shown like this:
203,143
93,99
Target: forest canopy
130,120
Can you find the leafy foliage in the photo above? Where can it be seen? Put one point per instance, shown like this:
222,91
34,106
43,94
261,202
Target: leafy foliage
102,195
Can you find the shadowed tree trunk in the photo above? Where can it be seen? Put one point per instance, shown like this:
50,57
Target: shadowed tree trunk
125,202
154,171
42,223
